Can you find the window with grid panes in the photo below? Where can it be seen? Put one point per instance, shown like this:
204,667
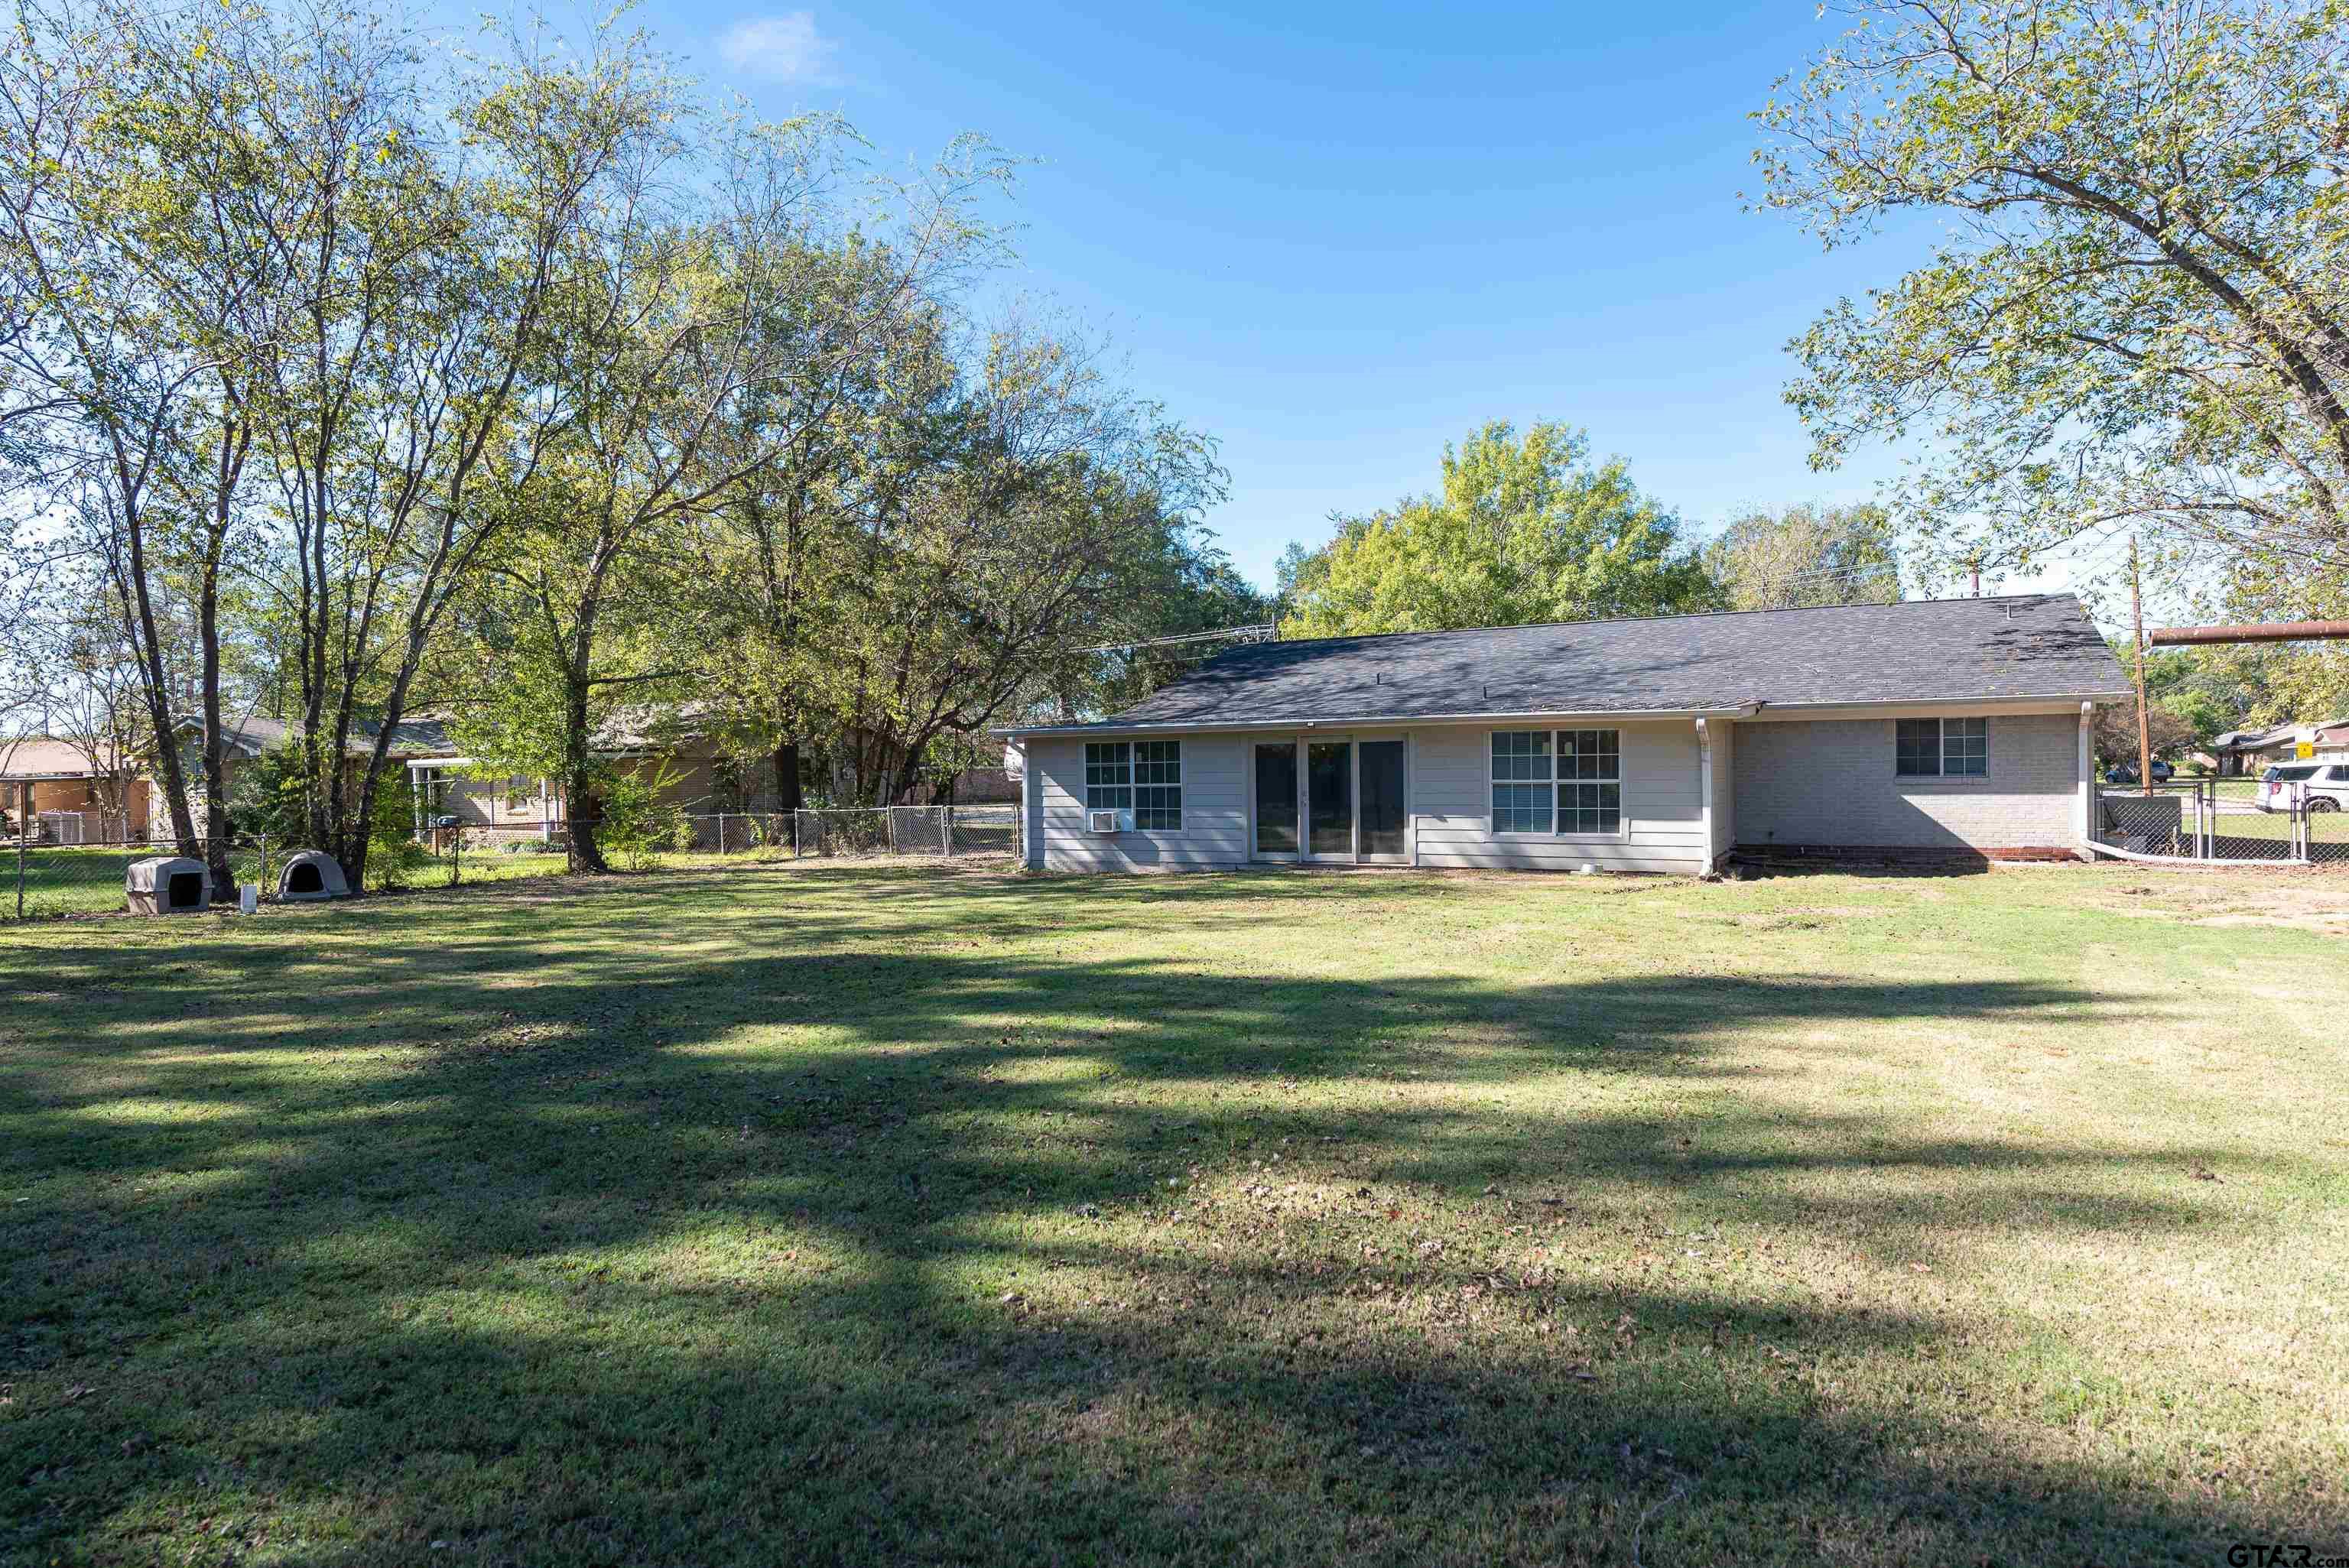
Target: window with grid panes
1589,780
1108,776
1559,782
1965,748
1936,747
1522,790
1158,786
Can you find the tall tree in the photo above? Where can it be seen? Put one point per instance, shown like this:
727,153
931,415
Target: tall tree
1806,555
2140,314
132,202
410,410
1521,531
686,310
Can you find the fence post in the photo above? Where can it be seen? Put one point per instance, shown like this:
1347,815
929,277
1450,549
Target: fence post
261,877
947,837
722,833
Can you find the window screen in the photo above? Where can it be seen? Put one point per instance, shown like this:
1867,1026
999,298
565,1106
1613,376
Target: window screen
1590,774
1108,776
1522,788
1158,785
1917,746
1965,747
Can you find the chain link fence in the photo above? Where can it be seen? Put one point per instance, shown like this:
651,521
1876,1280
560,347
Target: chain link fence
2230,822
42,879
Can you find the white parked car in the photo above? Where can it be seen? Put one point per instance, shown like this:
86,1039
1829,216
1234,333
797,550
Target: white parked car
2326,785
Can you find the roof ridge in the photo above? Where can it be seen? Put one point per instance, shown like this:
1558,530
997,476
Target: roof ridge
1677,615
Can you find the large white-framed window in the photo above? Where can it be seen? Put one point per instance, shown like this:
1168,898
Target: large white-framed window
1560,783
1941,747
1144,777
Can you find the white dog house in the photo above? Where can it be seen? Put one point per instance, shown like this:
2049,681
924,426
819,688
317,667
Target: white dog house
311,875
168,884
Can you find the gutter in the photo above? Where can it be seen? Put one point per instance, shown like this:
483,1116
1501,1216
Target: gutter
1740,710
1289,725
2120,695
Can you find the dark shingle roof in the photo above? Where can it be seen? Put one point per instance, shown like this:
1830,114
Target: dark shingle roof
1929,650
425,736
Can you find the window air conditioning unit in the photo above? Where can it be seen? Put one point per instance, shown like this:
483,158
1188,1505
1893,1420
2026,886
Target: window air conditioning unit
1100,821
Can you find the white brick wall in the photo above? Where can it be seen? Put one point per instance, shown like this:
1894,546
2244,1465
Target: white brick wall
1830,781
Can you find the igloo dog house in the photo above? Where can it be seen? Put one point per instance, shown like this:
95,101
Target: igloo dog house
310,875
168,884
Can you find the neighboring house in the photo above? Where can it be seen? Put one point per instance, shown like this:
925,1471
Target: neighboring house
525,807
2250,751
1928,728
67,796
79,797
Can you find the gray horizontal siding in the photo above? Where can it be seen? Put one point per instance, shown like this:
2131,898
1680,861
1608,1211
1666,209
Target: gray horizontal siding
1215,811
1722,734
1662,815
1450,794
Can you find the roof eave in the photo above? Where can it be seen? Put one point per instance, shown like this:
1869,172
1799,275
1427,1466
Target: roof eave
2118,694
1232,726
1737,710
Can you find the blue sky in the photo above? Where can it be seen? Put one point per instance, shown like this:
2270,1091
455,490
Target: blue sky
1338,236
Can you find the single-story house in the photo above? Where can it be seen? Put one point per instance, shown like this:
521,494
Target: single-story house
70,792
82,792
1929,728
443,782
2241,751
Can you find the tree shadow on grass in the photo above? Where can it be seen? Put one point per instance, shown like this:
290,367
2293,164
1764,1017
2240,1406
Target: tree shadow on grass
591,1270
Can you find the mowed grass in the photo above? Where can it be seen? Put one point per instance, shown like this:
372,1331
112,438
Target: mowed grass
785,1215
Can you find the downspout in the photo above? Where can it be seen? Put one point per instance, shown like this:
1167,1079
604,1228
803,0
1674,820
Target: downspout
1031,835
1705,795
2084,818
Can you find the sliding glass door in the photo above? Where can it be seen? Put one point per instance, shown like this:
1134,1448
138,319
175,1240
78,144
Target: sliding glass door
1332,800
1382,814
1275,800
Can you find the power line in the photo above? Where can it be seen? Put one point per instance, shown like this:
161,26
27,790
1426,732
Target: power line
1263,632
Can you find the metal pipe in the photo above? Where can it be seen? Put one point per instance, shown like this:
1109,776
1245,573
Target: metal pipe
2272,632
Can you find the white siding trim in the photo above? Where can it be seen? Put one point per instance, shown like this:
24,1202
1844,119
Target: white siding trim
2084,818
1705,791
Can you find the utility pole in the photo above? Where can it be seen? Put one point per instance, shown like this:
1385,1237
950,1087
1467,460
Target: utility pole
2144,727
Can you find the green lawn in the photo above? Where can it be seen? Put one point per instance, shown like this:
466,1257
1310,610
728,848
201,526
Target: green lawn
782,1215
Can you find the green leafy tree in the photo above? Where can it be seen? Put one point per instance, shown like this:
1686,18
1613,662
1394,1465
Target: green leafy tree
2139,314
1045,520
1521,531
1806,555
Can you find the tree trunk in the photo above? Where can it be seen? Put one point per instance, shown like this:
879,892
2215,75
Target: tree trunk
586,805
788,797
216,761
